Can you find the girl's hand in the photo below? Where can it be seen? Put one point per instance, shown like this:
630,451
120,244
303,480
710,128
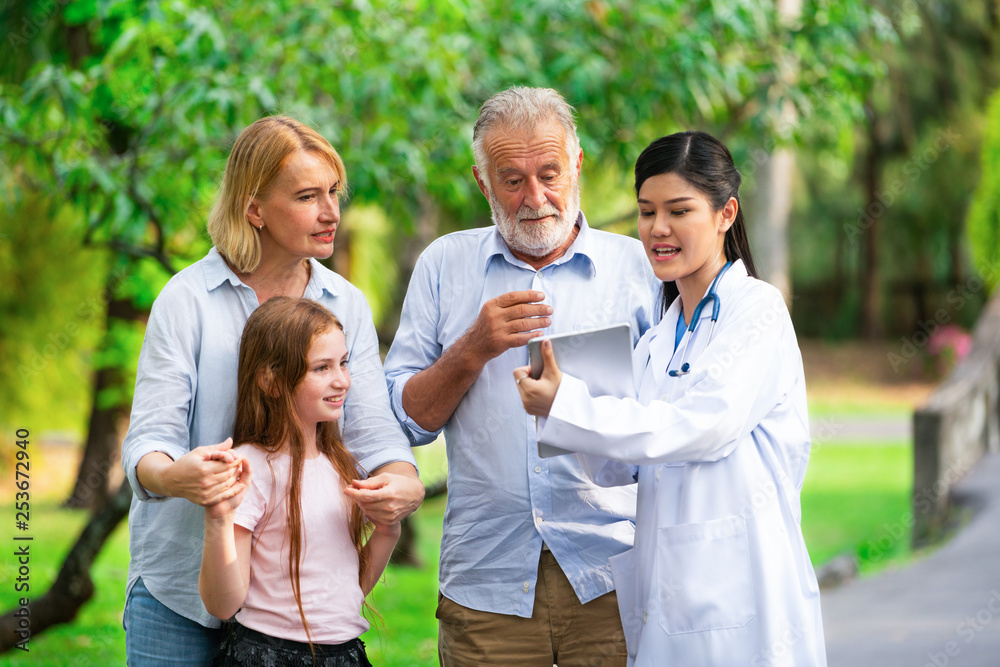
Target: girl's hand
538,395
225,508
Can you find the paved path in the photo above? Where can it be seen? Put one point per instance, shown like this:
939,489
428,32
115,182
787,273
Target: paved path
941,611
835,428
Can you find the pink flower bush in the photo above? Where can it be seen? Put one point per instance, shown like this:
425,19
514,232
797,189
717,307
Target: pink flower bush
949,345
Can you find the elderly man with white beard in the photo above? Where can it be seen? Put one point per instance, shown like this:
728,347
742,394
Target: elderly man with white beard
524,575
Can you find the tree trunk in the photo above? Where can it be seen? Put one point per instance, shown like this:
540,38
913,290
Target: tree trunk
104,435
773,199
956,266
769,229
871,292
73,585
102,448
405,552
840,287
426,224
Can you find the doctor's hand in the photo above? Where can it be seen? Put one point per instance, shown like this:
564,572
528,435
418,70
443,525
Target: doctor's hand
538,395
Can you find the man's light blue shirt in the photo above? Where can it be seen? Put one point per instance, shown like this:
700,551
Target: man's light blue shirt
503,499
185,397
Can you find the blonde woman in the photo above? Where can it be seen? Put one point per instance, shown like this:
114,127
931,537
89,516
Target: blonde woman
277,212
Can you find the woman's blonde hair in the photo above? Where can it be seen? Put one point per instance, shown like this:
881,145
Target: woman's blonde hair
257,158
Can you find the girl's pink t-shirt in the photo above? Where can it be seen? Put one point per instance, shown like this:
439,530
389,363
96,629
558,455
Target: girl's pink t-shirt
331,594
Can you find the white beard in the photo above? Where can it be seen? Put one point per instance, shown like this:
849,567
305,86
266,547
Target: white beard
536,239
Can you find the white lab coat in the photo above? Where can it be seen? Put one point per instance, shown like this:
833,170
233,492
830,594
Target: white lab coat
719,575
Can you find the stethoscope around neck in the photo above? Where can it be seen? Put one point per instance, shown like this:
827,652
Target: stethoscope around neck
713,298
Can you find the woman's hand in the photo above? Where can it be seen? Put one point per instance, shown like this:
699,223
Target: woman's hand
226,508
538,395
204,476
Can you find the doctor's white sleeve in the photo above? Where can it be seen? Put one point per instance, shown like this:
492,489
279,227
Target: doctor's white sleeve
745,372
606,472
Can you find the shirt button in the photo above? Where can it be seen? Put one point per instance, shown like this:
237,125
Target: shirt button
538,468
538,519
658,471
527,586
643,617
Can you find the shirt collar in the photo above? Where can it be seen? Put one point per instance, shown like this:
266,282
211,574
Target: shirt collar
320,280
497,247
218,272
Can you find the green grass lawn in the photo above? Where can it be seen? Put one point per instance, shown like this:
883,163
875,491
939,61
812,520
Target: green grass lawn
96,637
406,598
855,500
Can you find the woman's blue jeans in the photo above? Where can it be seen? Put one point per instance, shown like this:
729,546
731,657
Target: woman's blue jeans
155,635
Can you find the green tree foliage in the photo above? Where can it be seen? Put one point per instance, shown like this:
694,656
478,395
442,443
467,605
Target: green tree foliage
135,132
124,110
49,320
984,212
906,171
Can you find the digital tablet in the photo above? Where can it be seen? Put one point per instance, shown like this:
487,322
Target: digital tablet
601,357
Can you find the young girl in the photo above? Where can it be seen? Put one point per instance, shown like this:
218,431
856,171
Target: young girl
288,552
718,436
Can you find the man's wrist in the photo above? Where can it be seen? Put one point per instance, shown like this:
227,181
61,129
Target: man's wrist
404,468
472,357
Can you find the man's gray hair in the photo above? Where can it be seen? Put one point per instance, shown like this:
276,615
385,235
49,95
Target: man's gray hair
521,108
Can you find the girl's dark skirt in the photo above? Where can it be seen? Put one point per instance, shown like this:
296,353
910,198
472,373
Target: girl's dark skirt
243,647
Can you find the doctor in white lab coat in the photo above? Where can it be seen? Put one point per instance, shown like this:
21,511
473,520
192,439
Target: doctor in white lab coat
719,575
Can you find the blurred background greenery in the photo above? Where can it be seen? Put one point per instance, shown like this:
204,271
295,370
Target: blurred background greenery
868,135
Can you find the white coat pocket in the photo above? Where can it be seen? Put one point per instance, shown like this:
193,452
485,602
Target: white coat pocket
705,581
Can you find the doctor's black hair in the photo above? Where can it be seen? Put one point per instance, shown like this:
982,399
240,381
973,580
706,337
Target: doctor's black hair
704,162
